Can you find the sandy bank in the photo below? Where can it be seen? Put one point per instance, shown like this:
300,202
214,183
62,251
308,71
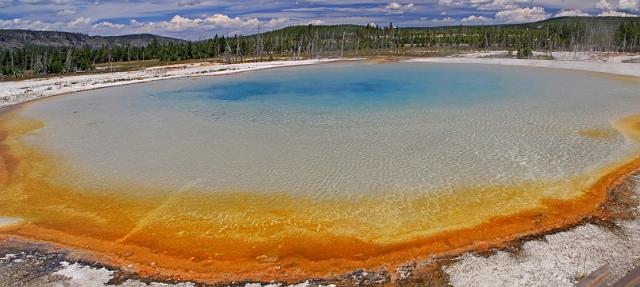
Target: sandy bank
15,92
559,259
612,67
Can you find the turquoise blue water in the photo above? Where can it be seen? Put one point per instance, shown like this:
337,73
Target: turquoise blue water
342,129
359,86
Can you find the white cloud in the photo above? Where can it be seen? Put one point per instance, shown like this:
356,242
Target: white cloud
476,19
276,22
616,14
109,26
502,4
316,22
78,24
483,4
517,15
178,25
521,15
80,21
398,6
444,20
395,7
607,5
629,5
571,13
389,8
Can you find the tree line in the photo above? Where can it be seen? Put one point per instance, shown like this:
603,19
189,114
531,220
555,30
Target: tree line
561,34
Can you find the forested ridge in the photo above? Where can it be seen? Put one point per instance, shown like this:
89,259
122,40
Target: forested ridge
608,34
21,38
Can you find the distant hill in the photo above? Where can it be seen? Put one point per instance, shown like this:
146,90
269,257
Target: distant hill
599,26
595,30
604,22
38,53
22,38
609,23
562,33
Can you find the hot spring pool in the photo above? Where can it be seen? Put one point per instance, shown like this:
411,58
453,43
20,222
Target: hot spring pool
313,164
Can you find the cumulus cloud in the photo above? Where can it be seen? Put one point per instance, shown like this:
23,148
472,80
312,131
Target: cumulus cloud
521,15
571,13
395,6
611,7
629,5
277,22
616,14
607,5
483,4
389,9
175,26
476,19
80,21
73,25
109,26
516,15
179,23
444,20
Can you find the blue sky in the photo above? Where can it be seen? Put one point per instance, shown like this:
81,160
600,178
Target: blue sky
199,19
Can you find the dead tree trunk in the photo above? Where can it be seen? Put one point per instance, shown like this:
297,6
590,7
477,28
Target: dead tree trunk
68,64
227,52
342,47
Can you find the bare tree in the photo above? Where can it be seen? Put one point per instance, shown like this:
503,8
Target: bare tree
259,45
300,46
68,63
110,63
227,52
238,50
38,66
12,67
342,48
